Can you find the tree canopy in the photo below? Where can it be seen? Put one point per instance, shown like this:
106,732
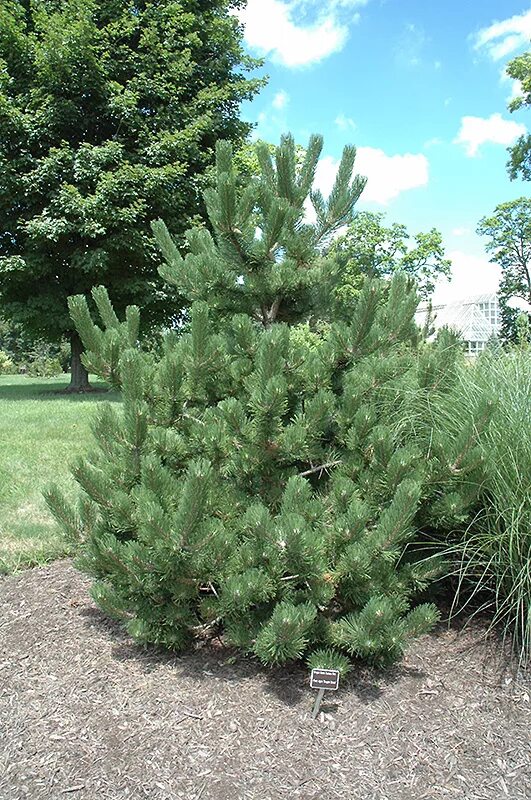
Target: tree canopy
109,114
509,232
519,164
370,248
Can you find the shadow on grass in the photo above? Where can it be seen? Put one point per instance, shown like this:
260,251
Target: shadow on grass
54,390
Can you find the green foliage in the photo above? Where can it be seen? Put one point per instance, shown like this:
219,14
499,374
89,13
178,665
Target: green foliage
7,366
34,356
369,248
45,367
103,347
13,341
523,330
492,555
380,631
109,112
329,659
509,232
255,482
251,271
519,164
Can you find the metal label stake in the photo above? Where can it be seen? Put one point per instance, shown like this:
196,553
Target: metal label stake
317,704
323,679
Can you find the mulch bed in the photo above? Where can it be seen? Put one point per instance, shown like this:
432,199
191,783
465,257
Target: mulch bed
86,714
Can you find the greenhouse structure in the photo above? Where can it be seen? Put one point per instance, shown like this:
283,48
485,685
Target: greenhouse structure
477,319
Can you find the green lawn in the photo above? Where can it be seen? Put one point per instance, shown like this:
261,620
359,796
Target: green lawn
41,433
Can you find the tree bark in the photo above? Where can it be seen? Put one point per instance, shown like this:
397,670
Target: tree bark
79,381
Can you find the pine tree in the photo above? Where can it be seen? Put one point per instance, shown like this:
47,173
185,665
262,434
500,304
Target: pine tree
260,480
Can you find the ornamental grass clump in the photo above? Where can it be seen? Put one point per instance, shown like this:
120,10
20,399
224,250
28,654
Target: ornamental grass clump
254,484
491,555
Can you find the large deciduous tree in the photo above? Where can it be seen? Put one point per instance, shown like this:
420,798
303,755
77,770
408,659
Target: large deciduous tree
369,248
109,111
509,232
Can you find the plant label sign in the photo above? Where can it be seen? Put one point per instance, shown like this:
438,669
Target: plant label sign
323,679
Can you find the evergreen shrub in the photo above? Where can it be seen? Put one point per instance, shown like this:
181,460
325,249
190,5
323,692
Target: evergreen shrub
255,483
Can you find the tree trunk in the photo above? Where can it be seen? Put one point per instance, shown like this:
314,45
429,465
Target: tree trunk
79,381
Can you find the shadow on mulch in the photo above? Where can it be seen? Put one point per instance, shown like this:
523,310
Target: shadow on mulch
288,683
90,714
212,657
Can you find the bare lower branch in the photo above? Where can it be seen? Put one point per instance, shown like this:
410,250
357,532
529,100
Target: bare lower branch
320,468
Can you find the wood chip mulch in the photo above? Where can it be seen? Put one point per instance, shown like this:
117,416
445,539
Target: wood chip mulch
88,715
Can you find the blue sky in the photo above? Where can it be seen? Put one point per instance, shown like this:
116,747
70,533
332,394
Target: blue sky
420,88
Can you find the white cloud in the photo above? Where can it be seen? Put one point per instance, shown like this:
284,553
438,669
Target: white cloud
271,121
345,123
387,176
272,28
519,304
410,46
461,231
344,3
280,100
476,131
516,90
471,274
502,38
